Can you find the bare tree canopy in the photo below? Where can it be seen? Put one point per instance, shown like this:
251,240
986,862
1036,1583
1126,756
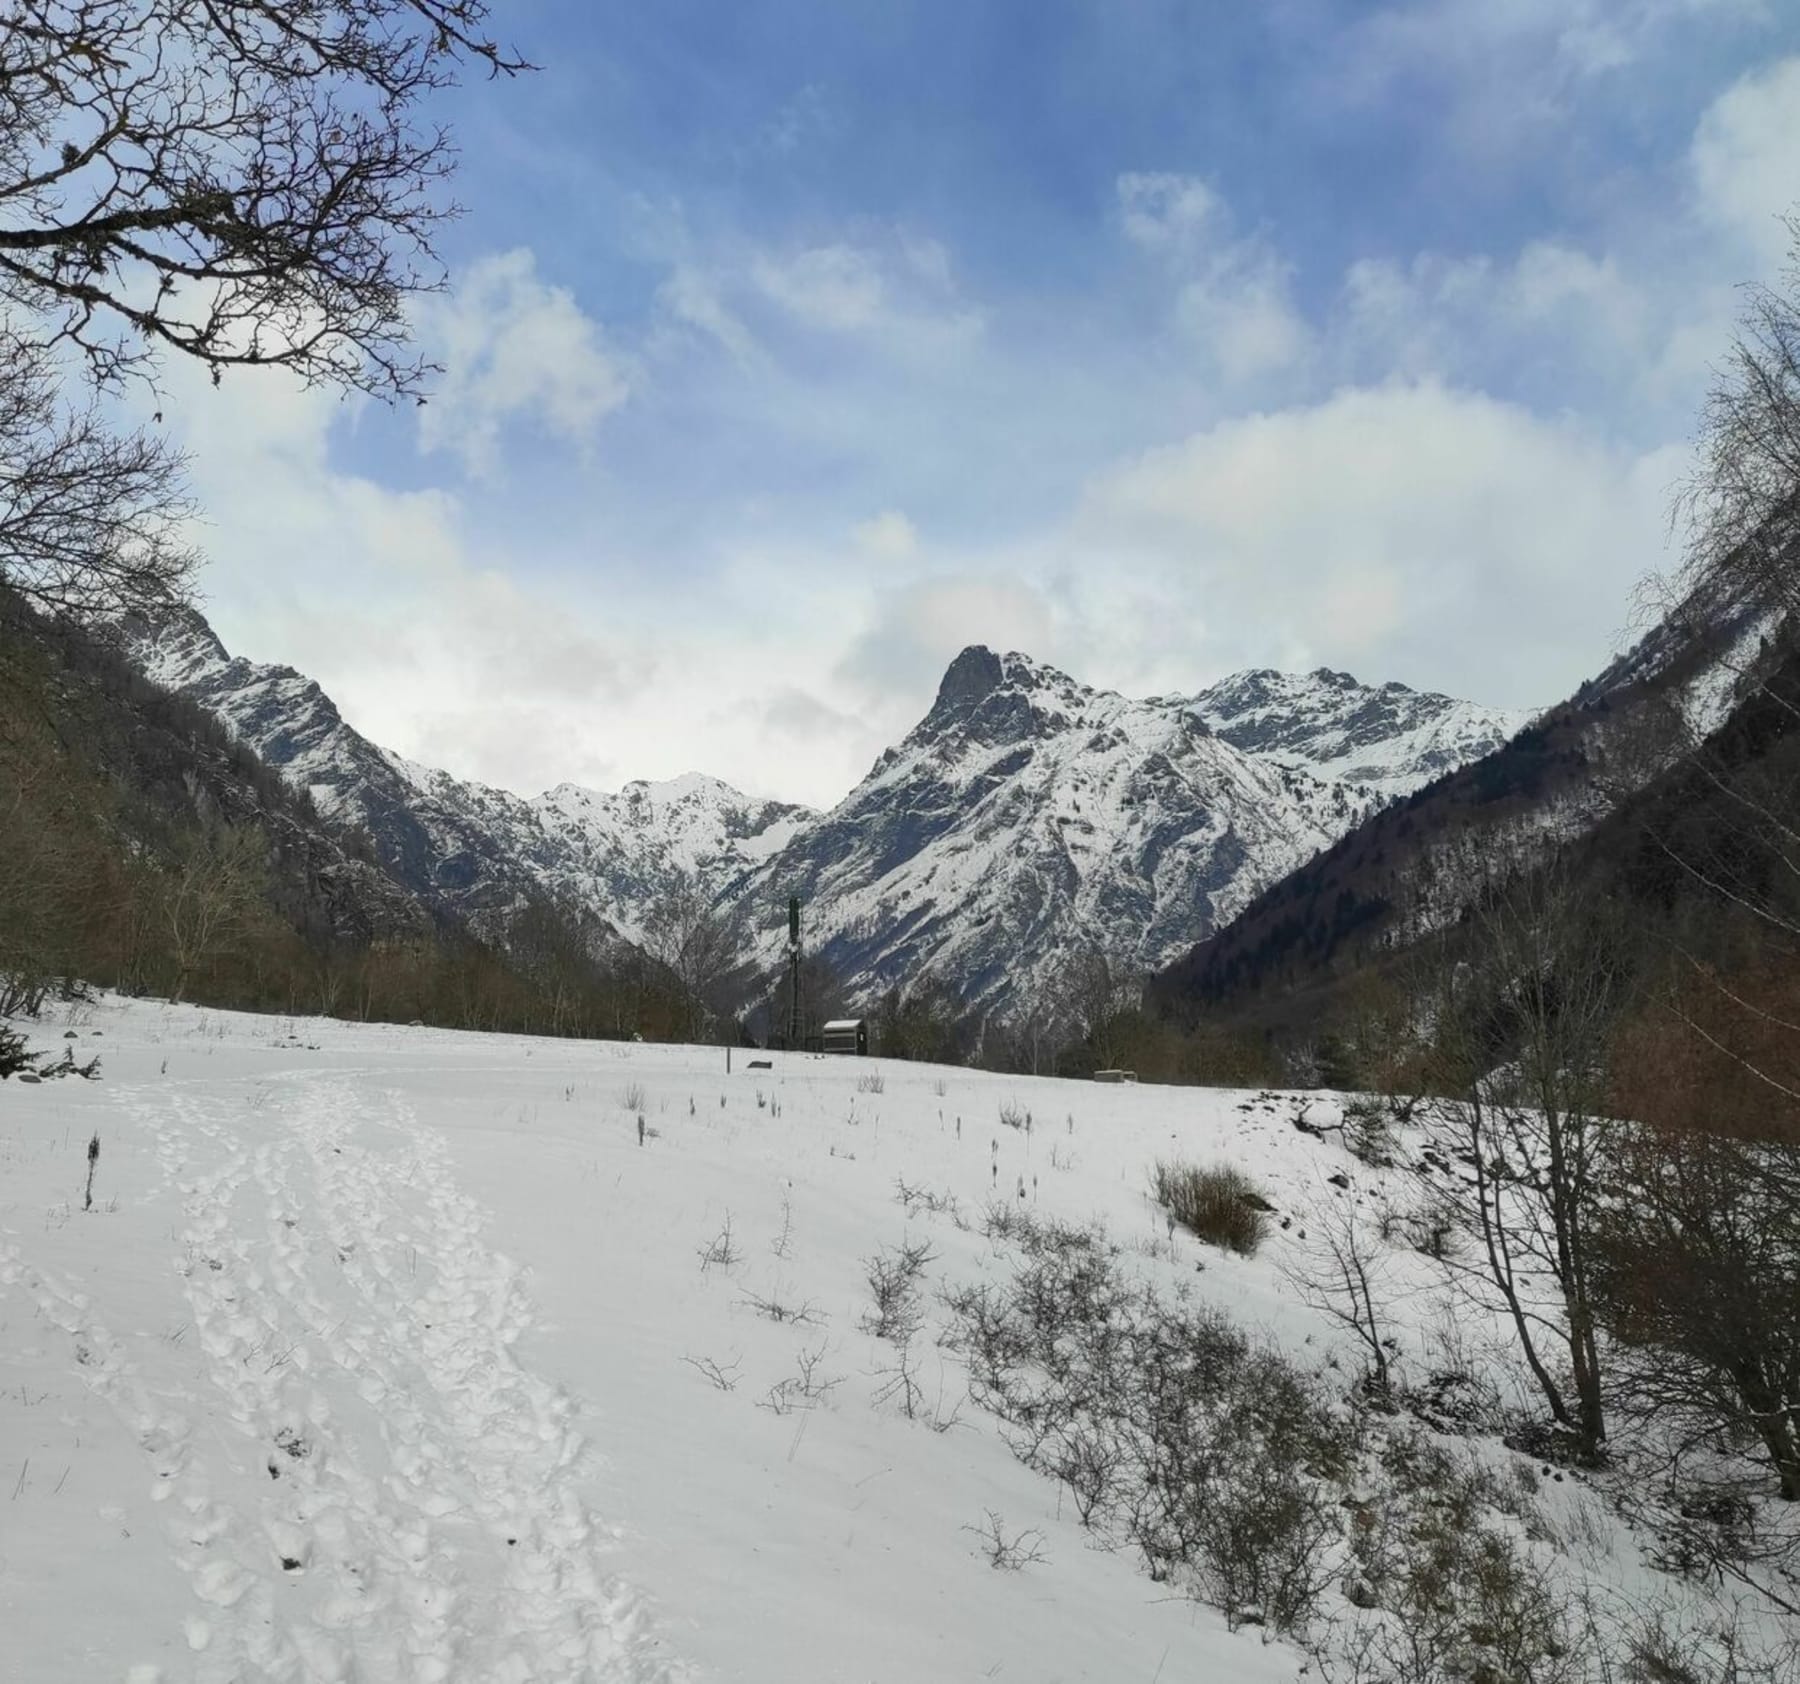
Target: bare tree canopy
241,181
90,518
1743,500
697,941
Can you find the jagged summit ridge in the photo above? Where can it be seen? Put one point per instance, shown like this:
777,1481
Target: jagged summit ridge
1027,815
968,681
1389,738
470,848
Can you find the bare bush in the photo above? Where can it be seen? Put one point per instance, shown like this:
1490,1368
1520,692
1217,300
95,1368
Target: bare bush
782,1245
807,1387
724,1376
1340,1272
1263,1541
900,1384
895,1276
1369,1130
1446,1592
1715,1650
1013,1552
916,1199
1171,1431
776,1308
721,1250
1220,1205
872,1083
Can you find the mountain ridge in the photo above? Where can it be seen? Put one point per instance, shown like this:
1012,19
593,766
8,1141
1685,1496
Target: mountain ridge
1026,816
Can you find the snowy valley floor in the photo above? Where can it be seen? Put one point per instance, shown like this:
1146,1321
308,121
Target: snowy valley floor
382,1356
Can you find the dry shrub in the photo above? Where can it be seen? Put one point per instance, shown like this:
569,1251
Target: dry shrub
1220,1204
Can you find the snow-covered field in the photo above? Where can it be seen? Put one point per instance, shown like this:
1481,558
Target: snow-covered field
382,1355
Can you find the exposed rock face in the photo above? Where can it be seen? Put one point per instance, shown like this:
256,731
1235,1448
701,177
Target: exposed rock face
1389,738
465,847
1026,817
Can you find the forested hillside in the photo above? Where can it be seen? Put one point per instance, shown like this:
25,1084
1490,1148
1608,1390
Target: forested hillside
143,847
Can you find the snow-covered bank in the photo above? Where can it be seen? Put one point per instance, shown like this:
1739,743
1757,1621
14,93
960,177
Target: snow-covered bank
395,1354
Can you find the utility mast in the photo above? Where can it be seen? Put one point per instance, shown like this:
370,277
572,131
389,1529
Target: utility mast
793,971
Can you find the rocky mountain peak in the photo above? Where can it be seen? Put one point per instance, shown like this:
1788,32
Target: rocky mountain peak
174,647
1026,815
968,681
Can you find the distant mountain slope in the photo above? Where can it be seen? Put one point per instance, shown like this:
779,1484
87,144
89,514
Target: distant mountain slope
1390,739
622,850
462,845
1407,871
116,800
1028,816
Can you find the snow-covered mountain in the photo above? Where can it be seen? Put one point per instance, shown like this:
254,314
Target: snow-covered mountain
1026,817
464,846
1388,737
618,851
1409,873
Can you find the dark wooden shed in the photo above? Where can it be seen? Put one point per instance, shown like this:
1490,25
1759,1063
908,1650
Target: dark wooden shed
847,1035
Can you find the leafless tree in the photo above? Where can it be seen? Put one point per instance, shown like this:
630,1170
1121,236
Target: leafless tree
217,878
697,942
1742,501
241,182
247,182
1340,1272
1700,1246
1522,1049
90,518
1094,997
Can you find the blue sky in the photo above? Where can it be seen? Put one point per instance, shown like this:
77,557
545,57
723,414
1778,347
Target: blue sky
789,347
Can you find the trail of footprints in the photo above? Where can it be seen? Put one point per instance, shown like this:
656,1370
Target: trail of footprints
344,1301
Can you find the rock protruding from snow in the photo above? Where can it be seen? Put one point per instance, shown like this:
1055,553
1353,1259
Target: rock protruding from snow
973,676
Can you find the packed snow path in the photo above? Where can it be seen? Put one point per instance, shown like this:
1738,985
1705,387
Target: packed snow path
334,1269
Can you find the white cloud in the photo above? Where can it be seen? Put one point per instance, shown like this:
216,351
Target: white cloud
1746,160
1244,319
892,290
694,299
806,120
1567,41
515,350
1163,212
1472,316
838,288
1234,294
1641,307
886,537
1411,530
